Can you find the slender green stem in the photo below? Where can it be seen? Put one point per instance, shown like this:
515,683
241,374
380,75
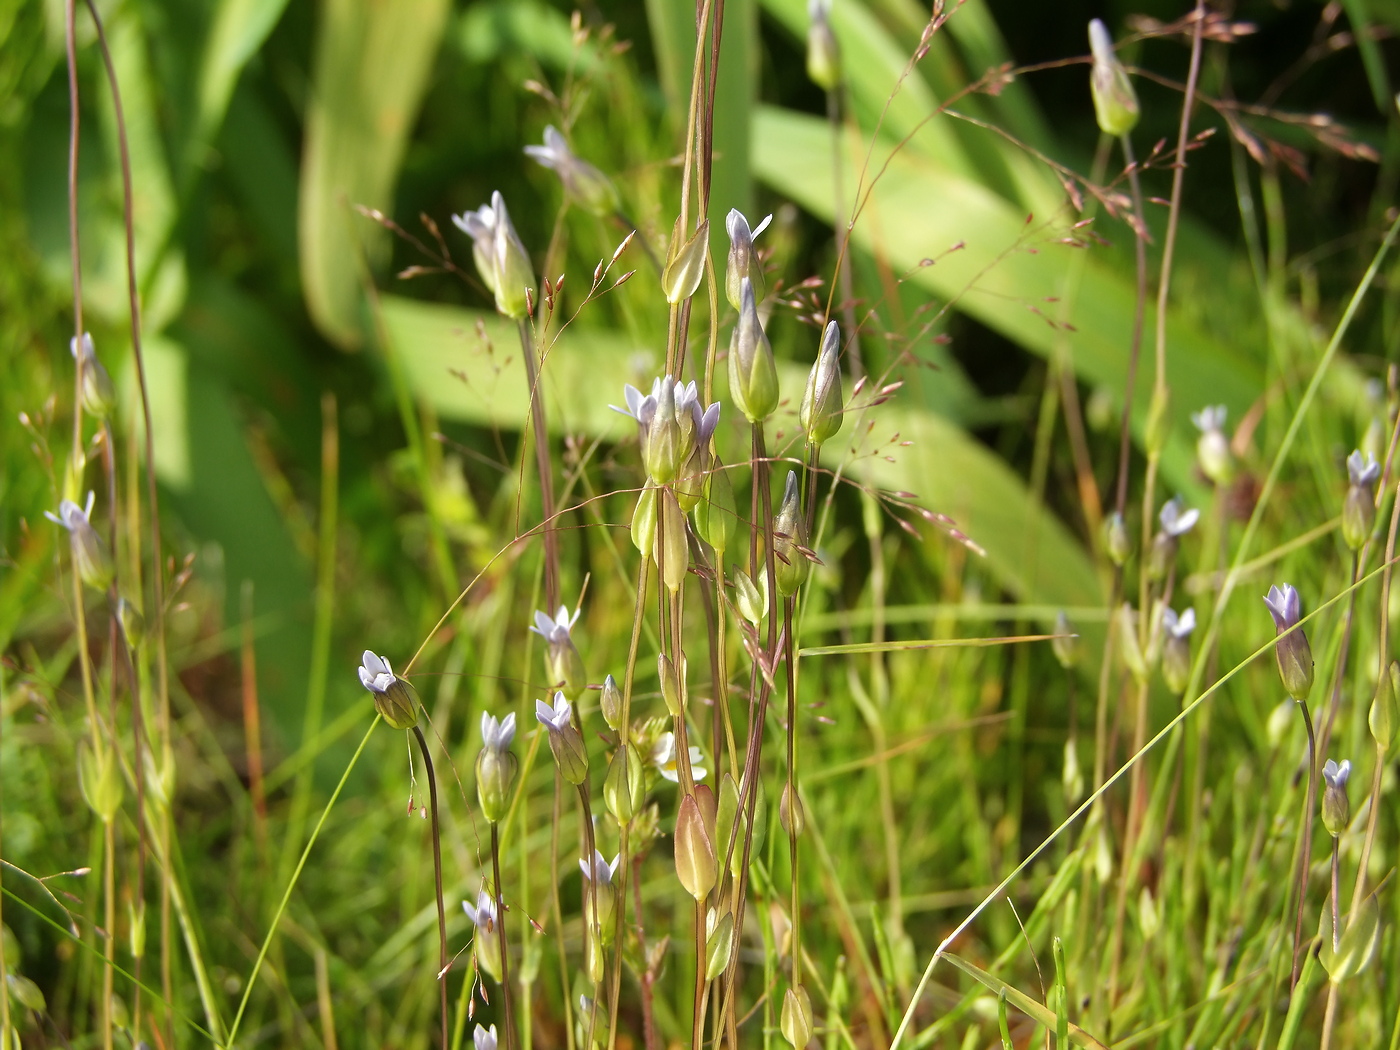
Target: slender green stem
507,1010
291,885
544,465
437,880
1301,877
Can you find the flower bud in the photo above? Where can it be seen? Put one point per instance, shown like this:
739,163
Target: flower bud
695,848
487,943
610,704
565,741
1176,649
584,184
1129,644
91,560
1115,538
495,766
1072,775
823,52
1382,716
791,815
753,374
562,662
751,600
393,698
719,943
672,552
796,1018
1115,102
643,530
672,683
1336,807
500,258
823,403
1065,644
1213,453
790,564
624,788
133,624
743,258
1295,662
716,513
1359,507
601,879
99,396
685,262
99,780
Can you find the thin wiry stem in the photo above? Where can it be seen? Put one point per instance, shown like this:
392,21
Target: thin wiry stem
437,880
1302,874
507,1009
544,465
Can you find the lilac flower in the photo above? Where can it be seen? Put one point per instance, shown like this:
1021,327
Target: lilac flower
497,735
562,661
484,1038
501,259
557,718
600,872
1295,663
743,259
1363,471
1175,520
392,698
583,182
570,752
90,558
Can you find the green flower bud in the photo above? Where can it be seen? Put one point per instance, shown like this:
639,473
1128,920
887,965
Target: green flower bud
719,943
1295,662
487,942
751,597
584,184
1336,807
500,258
99,780
611,704
1065,644
743,258
685,262
824,403
790,564
495,766
1382,716
99,396
791,815
136,928
624,788
1072,775
562,661
695,846
132,623
565,741
753,374
1115,538
91,560
823,52
643,530
1129,644
796,1018
1213,453
393,698
1176,650
716,513
672,683
1359,507
672,552
1115,101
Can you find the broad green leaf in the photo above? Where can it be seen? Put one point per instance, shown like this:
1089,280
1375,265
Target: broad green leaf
238,30
372,62
452,370
1001,266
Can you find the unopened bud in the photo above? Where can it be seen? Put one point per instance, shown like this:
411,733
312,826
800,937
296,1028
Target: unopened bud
1065,644
790,564
752,601
753,374
610,704
624,788
695,849
796,1018
1382,716
672,552
99,780
672,690
823,52
643,530
1129,644
1359,507
791,815
823,403
1213,452
719,943
685,262
1115,538
99,396
1115,101
133,624
716,513
1336,807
